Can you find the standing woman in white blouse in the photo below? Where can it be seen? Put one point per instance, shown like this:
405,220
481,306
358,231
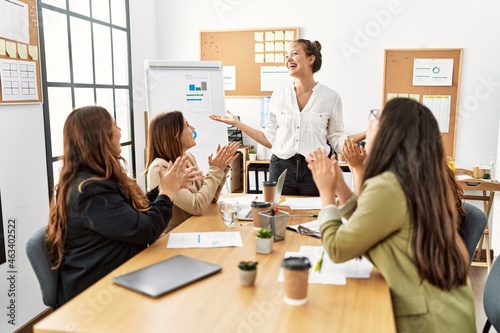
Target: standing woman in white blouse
303,116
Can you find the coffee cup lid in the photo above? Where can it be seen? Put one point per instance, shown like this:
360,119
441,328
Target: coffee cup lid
269,183
260,204
296,263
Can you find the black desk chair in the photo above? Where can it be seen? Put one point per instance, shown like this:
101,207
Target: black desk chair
472,227
491,298
41,263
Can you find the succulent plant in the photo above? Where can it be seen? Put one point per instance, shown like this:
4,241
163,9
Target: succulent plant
248,265
264,233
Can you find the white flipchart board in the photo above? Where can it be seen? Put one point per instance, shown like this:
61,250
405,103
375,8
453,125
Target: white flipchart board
197,89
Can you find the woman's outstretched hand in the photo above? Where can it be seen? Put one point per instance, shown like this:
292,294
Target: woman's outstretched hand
228,118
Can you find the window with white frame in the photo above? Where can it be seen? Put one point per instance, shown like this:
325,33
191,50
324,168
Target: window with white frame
85,47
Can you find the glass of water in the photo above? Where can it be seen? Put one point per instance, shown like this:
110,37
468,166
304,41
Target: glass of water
229,212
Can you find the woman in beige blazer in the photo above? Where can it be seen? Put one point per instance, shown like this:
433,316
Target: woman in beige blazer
404,220
169,137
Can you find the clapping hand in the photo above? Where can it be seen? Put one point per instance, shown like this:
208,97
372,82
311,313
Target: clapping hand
224,156
176,176
354,154
327,175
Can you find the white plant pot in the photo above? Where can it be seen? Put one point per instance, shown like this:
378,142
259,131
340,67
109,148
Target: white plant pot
247,278
263,245
252,157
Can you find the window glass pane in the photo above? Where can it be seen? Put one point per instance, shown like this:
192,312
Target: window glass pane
118,14
80,7
100,10
120,57
56,167
81,44
56,3
55,33
105,99
102,50
84,97
60,106
123,113
127,155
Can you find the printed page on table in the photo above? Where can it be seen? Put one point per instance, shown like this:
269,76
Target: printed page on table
330,272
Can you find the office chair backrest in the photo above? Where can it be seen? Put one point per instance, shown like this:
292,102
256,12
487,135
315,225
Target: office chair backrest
491,298
472,227
41,263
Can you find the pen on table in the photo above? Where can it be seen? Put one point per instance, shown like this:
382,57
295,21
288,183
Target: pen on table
198,238
310,215
246,223
319,264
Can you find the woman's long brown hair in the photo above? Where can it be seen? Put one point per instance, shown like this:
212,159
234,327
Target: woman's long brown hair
408,143
164,137
88,146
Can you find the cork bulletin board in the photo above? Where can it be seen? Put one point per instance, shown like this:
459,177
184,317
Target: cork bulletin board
247,51
401,79
20,80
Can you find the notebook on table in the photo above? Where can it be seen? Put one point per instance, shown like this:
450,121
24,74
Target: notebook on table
167,275
245,213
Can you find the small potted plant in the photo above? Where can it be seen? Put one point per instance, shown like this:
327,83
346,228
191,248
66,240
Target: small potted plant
252,154
486,176
247,272
264,241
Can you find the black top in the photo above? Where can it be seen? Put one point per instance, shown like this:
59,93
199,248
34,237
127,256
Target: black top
103,231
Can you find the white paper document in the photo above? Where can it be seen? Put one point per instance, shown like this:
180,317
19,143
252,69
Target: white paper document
302,203
180,240
440,107
313,226
432,72
331,273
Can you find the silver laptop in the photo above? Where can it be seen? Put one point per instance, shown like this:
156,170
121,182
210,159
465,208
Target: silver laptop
167,275
245,213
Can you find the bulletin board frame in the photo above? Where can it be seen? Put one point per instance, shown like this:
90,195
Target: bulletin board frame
238,48
20,81
398,79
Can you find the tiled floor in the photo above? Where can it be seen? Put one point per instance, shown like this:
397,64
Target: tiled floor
478,277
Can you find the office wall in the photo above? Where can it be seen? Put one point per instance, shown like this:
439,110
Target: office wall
144,41
354,36
23,184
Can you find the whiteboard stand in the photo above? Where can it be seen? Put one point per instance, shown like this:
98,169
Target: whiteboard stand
197,89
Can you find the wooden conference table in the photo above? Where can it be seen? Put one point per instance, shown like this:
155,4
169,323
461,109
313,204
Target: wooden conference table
219,303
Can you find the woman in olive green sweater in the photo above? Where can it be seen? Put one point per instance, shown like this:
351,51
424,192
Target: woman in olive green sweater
404,220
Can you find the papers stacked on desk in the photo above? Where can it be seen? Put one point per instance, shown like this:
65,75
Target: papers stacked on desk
181,240
302,203
331,273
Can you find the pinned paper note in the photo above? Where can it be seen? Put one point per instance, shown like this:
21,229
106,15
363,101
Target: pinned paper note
259,47
259,58
11,49
279,57
279,35
289,35
22,50
33,51
269,46
269,36
258,36
269,57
